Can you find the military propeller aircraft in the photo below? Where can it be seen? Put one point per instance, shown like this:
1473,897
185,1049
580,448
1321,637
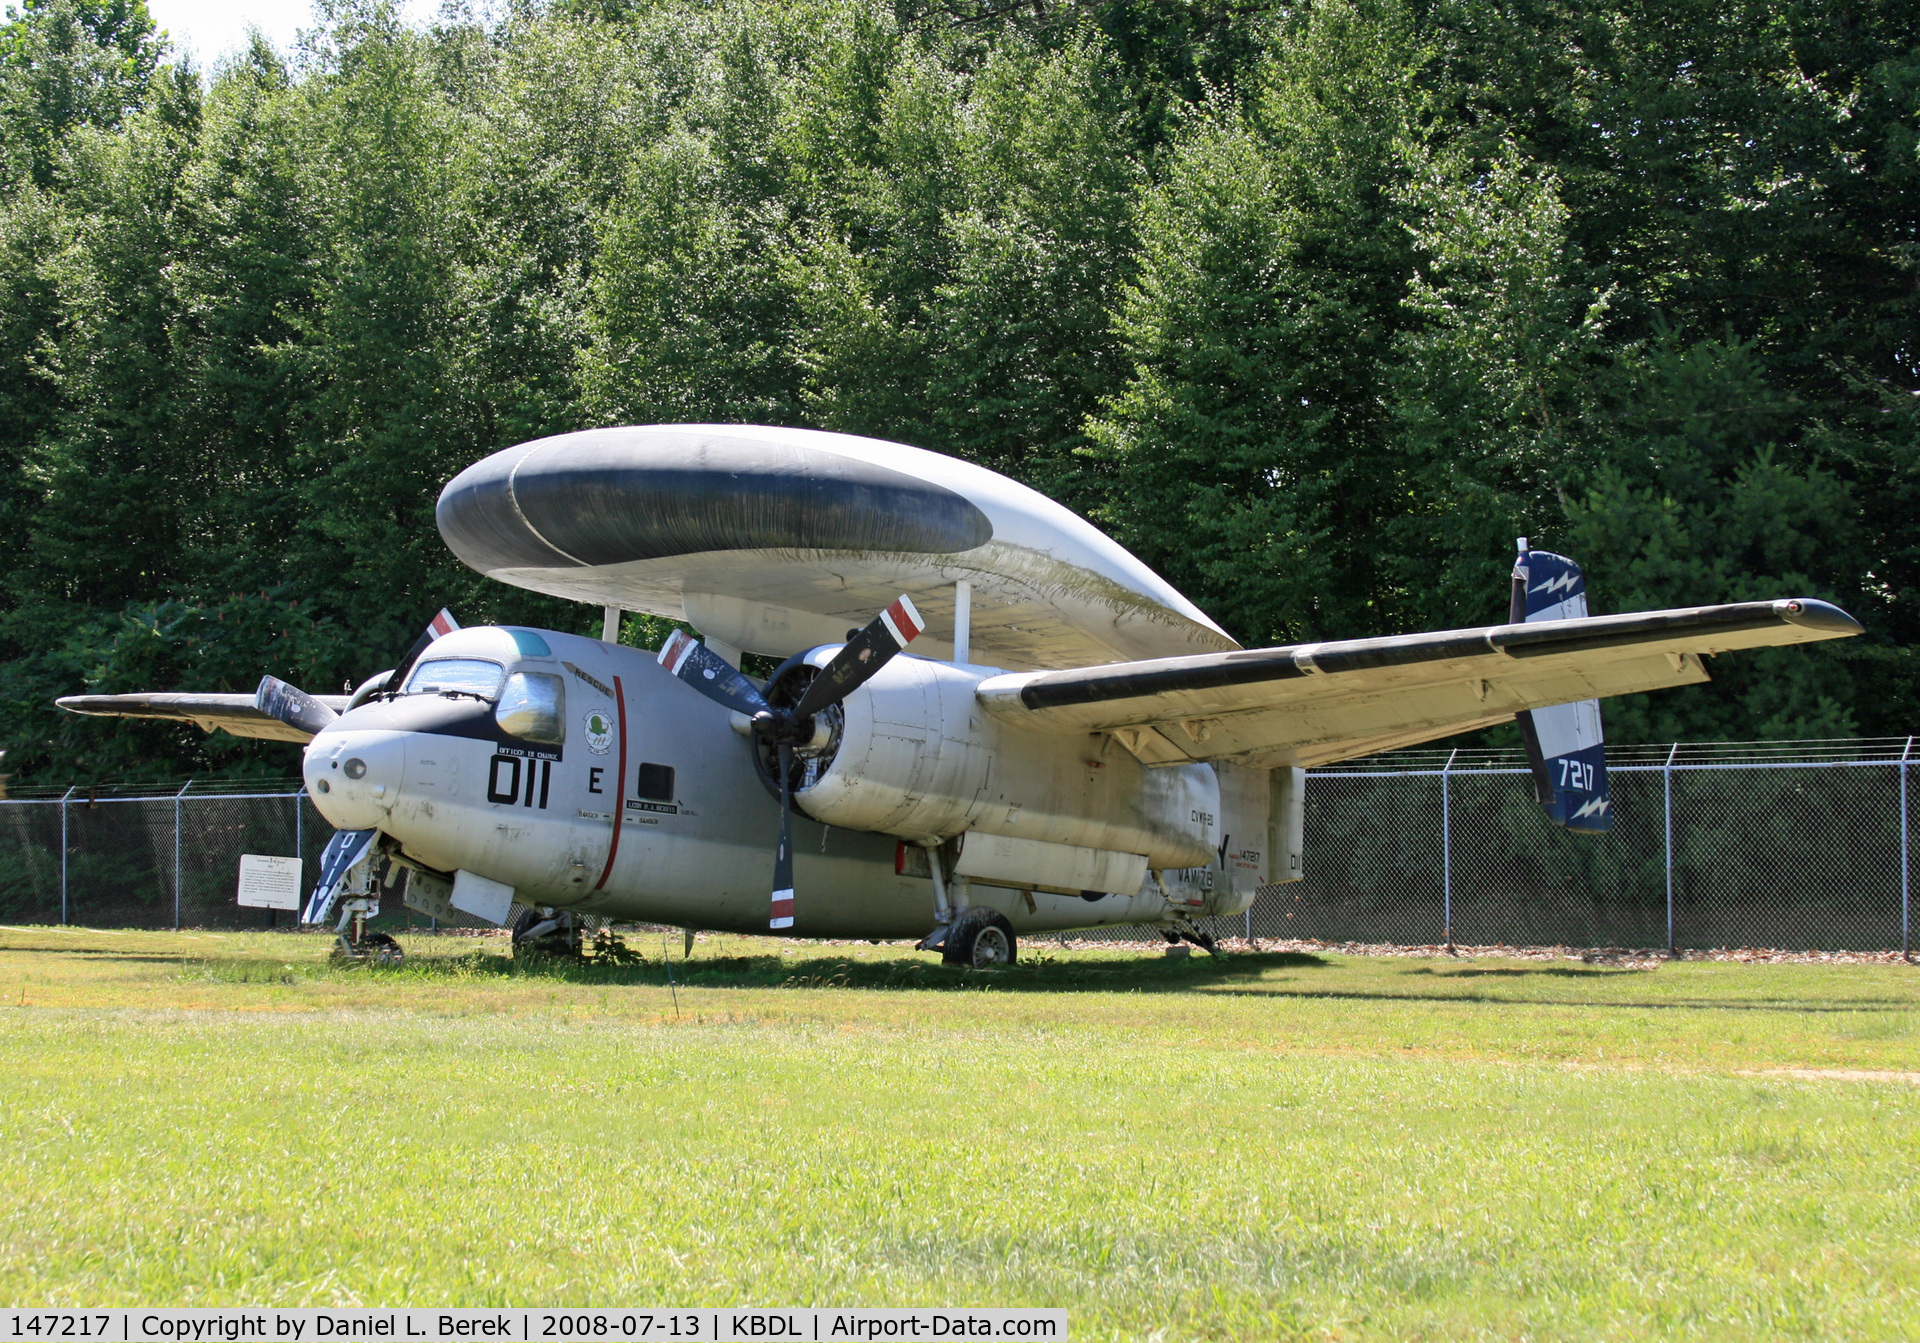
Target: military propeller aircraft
1070,742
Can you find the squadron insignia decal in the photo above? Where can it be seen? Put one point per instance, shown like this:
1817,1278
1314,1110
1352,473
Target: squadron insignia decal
599,732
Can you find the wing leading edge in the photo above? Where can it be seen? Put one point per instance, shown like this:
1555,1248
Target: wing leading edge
1312,704
237,714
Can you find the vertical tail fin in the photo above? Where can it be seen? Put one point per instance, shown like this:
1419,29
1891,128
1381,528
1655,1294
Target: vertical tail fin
1565,744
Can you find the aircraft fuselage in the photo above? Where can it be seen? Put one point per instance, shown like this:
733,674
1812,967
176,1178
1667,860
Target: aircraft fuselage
634,799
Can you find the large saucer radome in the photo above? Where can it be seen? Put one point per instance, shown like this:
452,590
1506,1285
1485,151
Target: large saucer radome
775,540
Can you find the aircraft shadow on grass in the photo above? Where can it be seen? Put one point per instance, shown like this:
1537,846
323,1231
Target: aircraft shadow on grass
1235,976
1034,973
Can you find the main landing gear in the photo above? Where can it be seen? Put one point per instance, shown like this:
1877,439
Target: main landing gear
979,938
562,933
965,935
550,932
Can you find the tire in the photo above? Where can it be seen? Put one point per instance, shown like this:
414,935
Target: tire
980,939
565,939
382,949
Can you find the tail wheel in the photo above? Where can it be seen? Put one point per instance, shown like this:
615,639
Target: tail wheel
981,939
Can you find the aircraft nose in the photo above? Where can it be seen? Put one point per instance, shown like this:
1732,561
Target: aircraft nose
354,777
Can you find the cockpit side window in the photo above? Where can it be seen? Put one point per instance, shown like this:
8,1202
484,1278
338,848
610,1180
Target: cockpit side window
533,707
465,676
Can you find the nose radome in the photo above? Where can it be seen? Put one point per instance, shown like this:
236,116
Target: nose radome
354,777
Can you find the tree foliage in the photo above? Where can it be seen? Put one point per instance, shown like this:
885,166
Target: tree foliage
1315,306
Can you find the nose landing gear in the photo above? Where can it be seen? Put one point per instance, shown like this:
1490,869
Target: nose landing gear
359,900
353,944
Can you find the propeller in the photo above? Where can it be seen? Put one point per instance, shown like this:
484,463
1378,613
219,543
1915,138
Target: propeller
296,708
443,623
785,727
291,705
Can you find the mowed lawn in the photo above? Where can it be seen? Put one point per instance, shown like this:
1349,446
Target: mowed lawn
1270,1147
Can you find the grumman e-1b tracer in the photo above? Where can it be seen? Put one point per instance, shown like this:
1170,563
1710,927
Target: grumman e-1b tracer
1069,743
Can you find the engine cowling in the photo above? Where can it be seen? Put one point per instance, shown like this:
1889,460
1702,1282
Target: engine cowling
908,756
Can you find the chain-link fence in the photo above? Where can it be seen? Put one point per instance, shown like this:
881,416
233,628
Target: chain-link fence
1799,845
148,861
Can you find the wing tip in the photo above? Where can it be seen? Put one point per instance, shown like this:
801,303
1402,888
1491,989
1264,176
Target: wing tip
1810,613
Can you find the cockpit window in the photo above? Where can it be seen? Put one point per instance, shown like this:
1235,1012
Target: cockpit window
469,676
533,707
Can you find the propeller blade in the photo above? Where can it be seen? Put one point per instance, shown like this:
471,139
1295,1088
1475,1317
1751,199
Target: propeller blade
783,856
444,623
291,705
709,673
866,653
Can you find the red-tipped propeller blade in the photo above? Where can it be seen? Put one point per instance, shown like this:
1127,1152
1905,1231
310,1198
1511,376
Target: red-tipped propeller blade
709,673
442,623
291,705
782,916
866,653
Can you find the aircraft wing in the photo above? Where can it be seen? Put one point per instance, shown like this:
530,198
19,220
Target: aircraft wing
1312,704
230,713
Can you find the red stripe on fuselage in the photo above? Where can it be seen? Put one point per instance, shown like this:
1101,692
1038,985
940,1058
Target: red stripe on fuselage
620,789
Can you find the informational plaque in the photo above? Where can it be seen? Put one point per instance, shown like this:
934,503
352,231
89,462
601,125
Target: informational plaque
268,881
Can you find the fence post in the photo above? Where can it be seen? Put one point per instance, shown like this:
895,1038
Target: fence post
63,853
1446,845
176,853
1906,887
1666,772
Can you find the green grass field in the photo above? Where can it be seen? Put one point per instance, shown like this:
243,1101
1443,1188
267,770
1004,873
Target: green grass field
1271,1147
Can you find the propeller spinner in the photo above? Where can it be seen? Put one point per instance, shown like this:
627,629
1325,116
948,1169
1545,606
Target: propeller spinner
785,727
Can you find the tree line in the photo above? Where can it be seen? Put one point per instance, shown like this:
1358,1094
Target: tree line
1314,306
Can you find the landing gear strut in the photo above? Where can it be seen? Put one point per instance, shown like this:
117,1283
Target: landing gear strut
353,943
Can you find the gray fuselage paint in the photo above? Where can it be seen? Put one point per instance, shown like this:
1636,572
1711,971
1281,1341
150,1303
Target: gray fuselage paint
457,792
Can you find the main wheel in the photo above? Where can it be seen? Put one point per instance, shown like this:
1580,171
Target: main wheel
556,934
981,938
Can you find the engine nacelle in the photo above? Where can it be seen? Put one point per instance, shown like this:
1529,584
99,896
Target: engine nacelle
911,755
915,756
